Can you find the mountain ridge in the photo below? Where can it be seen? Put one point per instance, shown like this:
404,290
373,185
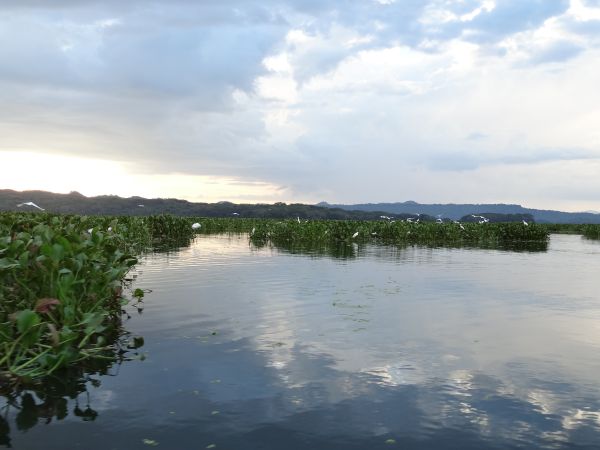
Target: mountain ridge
457,210
77,203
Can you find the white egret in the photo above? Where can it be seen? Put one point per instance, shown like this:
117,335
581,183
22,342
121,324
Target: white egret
30,204
525,223
298,218
235,214
354,235
483,219
195,226
141,206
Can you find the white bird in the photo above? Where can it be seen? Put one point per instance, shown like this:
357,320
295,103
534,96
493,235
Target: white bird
354,235
253,230
298,218
141,206
385,217
235,214
409,219
90,230
439,220
461,226
195,226
483,219
30,204
109,229
525,223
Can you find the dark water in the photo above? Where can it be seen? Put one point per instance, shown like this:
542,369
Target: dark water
412,348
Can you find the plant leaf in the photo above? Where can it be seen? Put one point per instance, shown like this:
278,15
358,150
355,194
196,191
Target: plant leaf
26,320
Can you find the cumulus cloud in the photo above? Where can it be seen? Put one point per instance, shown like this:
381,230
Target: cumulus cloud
303,95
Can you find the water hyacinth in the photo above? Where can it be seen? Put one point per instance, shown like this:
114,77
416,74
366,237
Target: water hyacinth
591,231
61,285
399,232
62,276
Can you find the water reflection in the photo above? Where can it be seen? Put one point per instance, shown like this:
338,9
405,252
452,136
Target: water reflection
411,347
66,392
47,401
351,250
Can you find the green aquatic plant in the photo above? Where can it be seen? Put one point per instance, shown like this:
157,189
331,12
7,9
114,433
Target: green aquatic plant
591,231
396,232
62,276
62,280
60,292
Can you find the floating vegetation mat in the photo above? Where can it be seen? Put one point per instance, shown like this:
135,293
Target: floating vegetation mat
503,235
591,231
63,287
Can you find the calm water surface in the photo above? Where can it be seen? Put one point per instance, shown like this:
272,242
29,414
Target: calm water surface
412,348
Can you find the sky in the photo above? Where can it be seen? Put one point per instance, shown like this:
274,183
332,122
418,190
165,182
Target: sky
436,101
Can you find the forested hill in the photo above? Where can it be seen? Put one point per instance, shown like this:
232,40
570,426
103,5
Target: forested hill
456,211
75,203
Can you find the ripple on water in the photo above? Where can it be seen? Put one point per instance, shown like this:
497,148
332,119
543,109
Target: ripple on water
399,347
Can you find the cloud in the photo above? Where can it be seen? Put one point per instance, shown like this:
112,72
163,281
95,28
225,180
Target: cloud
305,94
476,136
468,161
557,52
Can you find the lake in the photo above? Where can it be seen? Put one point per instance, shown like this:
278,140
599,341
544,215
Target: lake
378,347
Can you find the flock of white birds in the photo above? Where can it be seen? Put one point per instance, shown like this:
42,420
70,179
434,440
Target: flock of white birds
196,225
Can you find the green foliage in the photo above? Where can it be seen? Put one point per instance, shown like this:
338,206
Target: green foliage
398,232
61,284
60,289
61,276
591,231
